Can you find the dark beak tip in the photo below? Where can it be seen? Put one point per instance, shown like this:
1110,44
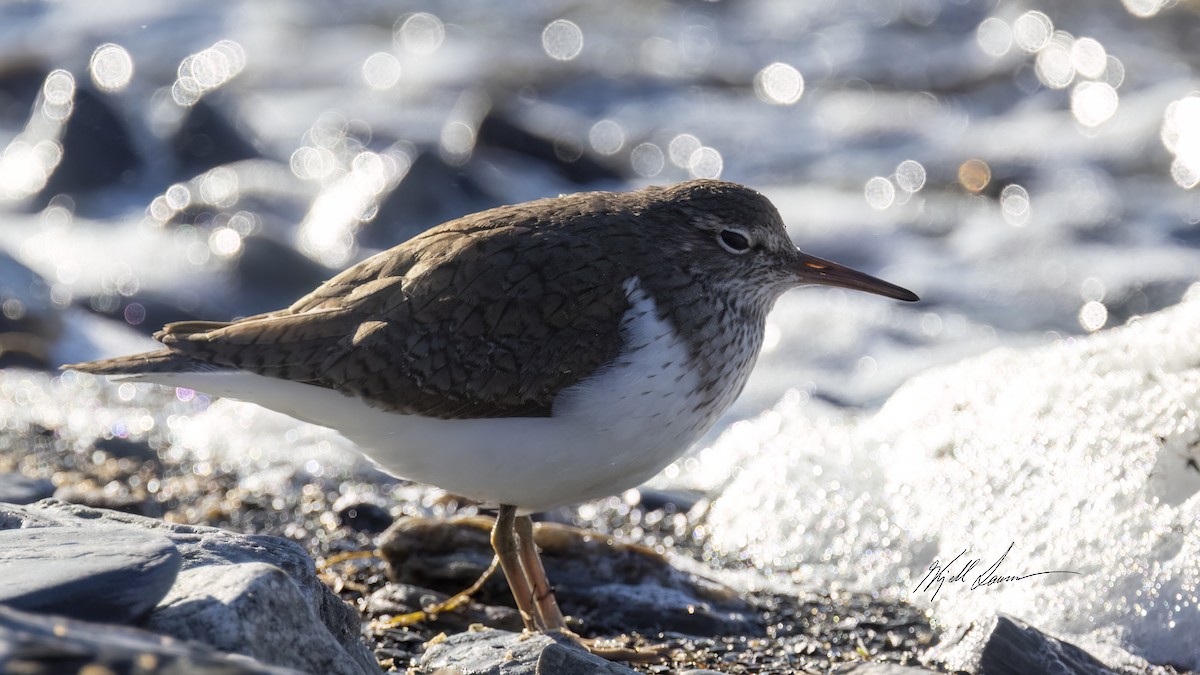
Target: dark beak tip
908,296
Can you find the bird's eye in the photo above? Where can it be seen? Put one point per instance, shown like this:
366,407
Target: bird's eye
734,241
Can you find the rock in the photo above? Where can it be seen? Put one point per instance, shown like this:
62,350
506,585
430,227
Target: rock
431,192
362,515
251,608
30,323
866,668
89,493
252,595
396,599
504,130
492,652
206,139
98,150
91,573
611,587
123,448
1017,648
18,489
46,645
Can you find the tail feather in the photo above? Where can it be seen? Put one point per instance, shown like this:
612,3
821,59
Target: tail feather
162,361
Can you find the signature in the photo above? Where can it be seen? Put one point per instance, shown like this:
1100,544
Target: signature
991,576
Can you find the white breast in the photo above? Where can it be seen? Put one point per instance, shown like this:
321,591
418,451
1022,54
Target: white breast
608,433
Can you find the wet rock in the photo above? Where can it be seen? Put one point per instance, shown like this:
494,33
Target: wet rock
90,493
432,192
670,501
877,669
502,129
98,150
47,645
206,138
397,599
18,489
271,274
89,573
492,652
362,515
123,448
20,84
252,595
30,324
1016,648
611,587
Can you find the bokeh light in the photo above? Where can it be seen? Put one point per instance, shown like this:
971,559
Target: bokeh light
681,148
1015,206
25,168
58,95
562,40
1181,136
910,175
647,160
1054,66
1093,316
1032,31
706,163
607,137
1143,8
879,193
381,71
1089,57
206,70
994,36
779,83
225,242
111,67
421,33
974,175
1093,103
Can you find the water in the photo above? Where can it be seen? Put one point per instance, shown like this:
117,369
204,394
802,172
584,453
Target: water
1028,168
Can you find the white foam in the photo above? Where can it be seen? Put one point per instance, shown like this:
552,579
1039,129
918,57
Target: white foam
1078,453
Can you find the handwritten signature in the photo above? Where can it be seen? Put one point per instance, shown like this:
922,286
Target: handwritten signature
989,577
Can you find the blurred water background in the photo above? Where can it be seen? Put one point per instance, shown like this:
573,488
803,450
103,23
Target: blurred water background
1028,168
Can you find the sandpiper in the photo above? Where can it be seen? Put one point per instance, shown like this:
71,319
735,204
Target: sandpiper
528,356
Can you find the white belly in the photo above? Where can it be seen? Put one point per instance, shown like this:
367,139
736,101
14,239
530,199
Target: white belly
606,434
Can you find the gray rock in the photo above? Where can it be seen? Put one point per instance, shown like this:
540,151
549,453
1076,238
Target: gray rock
1016,648
612,587
18,489
254,595
866,668
492,652
35,643
251,608
91,573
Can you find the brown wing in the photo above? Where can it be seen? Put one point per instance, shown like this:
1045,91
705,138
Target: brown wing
458,322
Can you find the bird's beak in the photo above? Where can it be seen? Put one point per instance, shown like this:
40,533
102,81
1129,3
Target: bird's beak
813,270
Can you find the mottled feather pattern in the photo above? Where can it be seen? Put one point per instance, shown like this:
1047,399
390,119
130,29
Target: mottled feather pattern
493,314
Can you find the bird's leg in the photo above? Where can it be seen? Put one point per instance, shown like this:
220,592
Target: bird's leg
543,596
504,541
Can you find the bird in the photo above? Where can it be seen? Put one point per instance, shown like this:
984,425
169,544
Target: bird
528,356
